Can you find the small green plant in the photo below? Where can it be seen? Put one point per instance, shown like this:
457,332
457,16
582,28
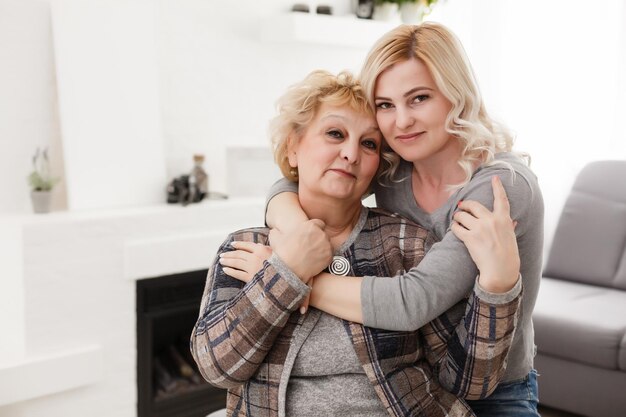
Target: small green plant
40,179
427,3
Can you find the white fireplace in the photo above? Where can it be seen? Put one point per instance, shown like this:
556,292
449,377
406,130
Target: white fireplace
67,298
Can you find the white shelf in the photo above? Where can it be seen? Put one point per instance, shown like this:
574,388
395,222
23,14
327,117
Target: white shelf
311,28
45,375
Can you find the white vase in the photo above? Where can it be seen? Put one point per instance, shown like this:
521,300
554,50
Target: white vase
412,13
41,201
388,12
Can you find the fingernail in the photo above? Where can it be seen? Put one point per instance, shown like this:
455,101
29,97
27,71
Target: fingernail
302,310
459,203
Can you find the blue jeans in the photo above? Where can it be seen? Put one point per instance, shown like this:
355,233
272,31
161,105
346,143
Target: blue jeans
513,399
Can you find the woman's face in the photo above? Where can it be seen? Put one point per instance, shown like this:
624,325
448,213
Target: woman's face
411,111
338,154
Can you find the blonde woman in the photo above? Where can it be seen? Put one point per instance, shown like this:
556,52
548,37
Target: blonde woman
252,338
429,109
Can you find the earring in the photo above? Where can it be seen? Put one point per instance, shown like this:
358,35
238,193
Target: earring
294,172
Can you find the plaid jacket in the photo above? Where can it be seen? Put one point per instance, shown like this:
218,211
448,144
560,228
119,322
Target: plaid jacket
244,332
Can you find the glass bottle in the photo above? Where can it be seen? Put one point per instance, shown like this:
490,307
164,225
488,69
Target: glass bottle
198,179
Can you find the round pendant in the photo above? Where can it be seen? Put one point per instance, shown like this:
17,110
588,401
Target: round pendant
339,266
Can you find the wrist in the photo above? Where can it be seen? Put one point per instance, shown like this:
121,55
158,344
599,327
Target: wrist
498,283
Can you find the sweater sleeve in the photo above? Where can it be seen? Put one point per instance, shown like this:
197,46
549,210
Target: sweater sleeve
238,323
471,357
447,273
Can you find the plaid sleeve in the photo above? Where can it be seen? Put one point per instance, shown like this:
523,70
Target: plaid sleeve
470,355
238,323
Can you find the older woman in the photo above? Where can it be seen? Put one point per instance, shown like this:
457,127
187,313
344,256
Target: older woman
252,339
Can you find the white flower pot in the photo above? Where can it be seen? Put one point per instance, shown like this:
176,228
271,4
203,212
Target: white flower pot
388,12
412,13
41,201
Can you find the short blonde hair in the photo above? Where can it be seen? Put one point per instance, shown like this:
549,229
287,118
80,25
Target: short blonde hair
299,106
442,53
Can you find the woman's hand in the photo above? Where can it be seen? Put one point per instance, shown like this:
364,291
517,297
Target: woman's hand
490,239
245,261
306,249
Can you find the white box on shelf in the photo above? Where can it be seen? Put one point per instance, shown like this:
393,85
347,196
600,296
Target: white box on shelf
251,171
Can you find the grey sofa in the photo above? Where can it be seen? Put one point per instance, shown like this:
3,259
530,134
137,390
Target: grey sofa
580,315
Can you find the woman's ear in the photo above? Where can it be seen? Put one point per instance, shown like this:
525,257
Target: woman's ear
292,148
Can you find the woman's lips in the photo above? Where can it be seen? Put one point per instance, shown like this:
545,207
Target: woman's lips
409,136
343,173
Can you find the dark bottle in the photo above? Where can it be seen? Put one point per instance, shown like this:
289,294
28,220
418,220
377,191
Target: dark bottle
198,180
364,8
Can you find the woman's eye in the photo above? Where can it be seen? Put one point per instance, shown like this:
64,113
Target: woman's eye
370,144
383,105
337,134
420,98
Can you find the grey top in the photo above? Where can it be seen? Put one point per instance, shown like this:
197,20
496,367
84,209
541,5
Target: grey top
327,378
322,375
447,273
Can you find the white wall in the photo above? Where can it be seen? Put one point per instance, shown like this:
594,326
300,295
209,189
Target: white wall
107,78
559,89
554,73
28,100
220,81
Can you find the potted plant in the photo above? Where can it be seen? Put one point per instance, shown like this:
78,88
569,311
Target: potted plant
387,10
409,11
413,11
41,182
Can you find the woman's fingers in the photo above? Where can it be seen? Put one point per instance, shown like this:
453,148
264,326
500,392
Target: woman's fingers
245,246
472,214
490,239
465,219
244,262
307,300
459,231
234,254
474,208
306,249
237,274
305,304
500,201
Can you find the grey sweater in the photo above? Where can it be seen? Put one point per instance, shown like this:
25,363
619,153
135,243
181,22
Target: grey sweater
447,273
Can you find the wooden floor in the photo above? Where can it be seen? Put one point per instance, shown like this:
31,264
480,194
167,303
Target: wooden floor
551,412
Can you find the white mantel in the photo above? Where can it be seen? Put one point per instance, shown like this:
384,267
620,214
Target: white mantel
67,298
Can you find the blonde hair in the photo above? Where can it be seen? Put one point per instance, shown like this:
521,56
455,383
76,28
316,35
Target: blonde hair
299,106
442,53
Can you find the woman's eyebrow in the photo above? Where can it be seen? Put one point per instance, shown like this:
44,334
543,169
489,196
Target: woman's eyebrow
372,129
332,116
408,93
415,90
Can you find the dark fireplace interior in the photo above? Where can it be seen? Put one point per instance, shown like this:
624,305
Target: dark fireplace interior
168,381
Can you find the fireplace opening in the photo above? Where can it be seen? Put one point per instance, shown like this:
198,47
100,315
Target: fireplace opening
168,381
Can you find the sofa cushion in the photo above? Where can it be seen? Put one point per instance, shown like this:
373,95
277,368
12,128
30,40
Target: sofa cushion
582,323
590,239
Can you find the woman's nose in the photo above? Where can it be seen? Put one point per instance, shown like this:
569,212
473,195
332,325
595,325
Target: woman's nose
350,151
404,119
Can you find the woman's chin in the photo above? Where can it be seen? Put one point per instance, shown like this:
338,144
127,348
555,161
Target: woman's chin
344,194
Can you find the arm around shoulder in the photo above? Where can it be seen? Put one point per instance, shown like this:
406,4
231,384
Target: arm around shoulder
238,323
282,208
